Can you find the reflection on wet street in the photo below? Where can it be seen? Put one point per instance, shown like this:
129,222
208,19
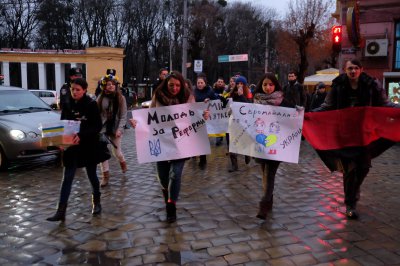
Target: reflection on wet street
216,215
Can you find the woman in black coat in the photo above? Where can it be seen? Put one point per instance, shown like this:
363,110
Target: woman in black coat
84,152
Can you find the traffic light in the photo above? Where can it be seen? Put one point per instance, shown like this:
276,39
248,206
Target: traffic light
337,38
1,79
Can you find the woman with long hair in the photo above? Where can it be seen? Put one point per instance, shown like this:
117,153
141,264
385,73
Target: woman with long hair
113,110
268,92
171,91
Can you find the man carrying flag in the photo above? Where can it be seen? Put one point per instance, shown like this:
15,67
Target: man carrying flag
358,129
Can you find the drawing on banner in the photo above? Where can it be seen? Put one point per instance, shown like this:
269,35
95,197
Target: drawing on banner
264,131
155,147
264,141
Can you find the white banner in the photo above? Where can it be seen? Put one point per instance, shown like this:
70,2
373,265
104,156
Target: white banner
265,131
219,118
171,132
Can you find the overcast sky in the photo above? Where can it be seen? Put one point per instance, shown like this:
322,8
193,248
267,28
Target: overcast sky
279,5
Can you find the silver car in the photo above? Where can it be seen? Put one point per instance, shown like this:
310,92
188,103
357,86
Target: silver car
21,113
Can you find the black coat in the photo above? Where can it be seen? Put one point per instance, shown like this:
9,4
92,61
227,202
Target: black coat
369,93
205,93
295,94
87,151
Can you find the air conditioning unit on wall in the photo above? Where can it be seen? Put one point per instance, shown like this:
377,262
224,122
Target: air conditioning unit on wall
376,47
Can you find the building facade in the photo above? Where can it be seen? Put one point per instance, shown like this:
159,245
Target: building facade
371,33
48,69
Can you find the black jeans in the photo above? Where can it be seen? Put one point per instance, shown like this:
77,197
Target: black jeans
353,176
69,174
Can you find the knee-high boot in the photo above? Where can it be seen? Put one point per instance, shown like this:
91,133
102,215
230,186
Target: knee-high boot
59,215
96,206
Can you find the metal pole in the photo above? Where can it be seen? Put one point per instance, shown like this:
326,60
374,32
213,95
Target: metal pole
266,48
185,39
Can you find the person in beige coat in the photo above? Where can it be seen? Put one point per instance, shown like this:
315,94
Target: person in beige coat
113,112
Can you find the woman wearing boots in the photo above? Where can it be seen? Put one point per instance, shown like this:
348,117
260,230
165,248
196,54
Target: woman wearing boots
113,110
84,153
268,92
239,93
171,91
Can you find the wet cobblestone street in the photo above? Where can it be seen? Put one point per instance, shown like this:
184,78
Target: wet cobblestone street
216,216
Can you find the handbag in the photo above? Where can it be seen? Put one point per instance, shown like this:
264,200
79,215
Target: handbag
103,153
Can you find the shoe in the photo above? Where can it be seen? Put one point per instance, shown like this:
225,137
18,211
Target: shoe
171,212
264,208
96,206
247,159
59,215
105,179
233,169
351,213
124,167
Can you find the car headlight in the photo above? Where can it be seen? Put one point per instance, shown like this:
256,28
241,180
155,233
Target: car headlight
17,134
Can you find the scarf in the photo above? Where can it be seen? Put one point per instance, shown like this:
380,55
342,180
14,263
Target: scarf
165,98
274,98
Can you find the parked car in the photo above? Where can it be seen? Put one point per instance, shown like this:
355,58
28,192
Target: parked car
146,104
48,96
21,113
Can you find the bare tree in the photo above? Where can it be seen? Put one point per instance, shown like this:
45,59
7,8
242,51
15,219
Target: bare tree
305,21
18,18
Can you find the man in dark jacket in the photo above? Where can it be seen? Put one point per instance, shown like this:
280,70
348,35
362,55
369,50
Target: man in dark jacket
162,74
318,97
352,89
65,93
294,92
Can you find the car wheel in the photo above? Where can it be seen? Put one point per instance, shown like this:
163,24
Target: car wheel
3,160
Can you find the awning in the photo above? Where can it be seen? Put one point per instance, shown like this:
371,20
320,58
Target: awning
326,76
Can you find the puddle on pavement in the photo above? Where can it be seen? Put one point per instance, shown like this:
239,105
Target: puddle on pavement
72,256
183,257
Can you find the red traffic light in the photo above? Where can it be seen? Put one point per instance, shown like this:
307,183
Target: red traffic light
337,34
337,38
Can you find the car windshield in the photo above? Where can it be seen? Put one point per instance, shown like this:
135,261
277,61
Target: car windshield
20,101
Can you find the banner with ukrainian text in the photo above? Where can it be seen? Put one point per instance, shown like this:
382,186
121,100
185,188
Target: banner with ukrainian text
265,131
219,117
171,132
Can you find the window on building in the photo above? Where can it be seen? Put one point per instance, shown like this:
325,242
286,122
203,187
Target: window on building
397,47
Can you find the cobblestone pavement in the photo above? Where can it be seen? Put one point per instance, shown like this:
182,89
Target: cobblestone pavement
216,216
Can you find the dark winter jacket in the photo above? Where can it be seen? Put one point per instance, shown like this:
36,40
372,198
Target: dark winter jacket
317,100
295,94
206,93
368,93
86,152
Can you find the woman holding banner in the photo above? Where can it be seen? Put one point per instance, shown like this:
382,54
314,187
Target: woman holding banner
239,93
171,91
203,92
268,92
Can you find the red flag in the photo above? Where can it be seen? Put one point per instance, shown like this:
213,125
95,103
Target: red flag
351,127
